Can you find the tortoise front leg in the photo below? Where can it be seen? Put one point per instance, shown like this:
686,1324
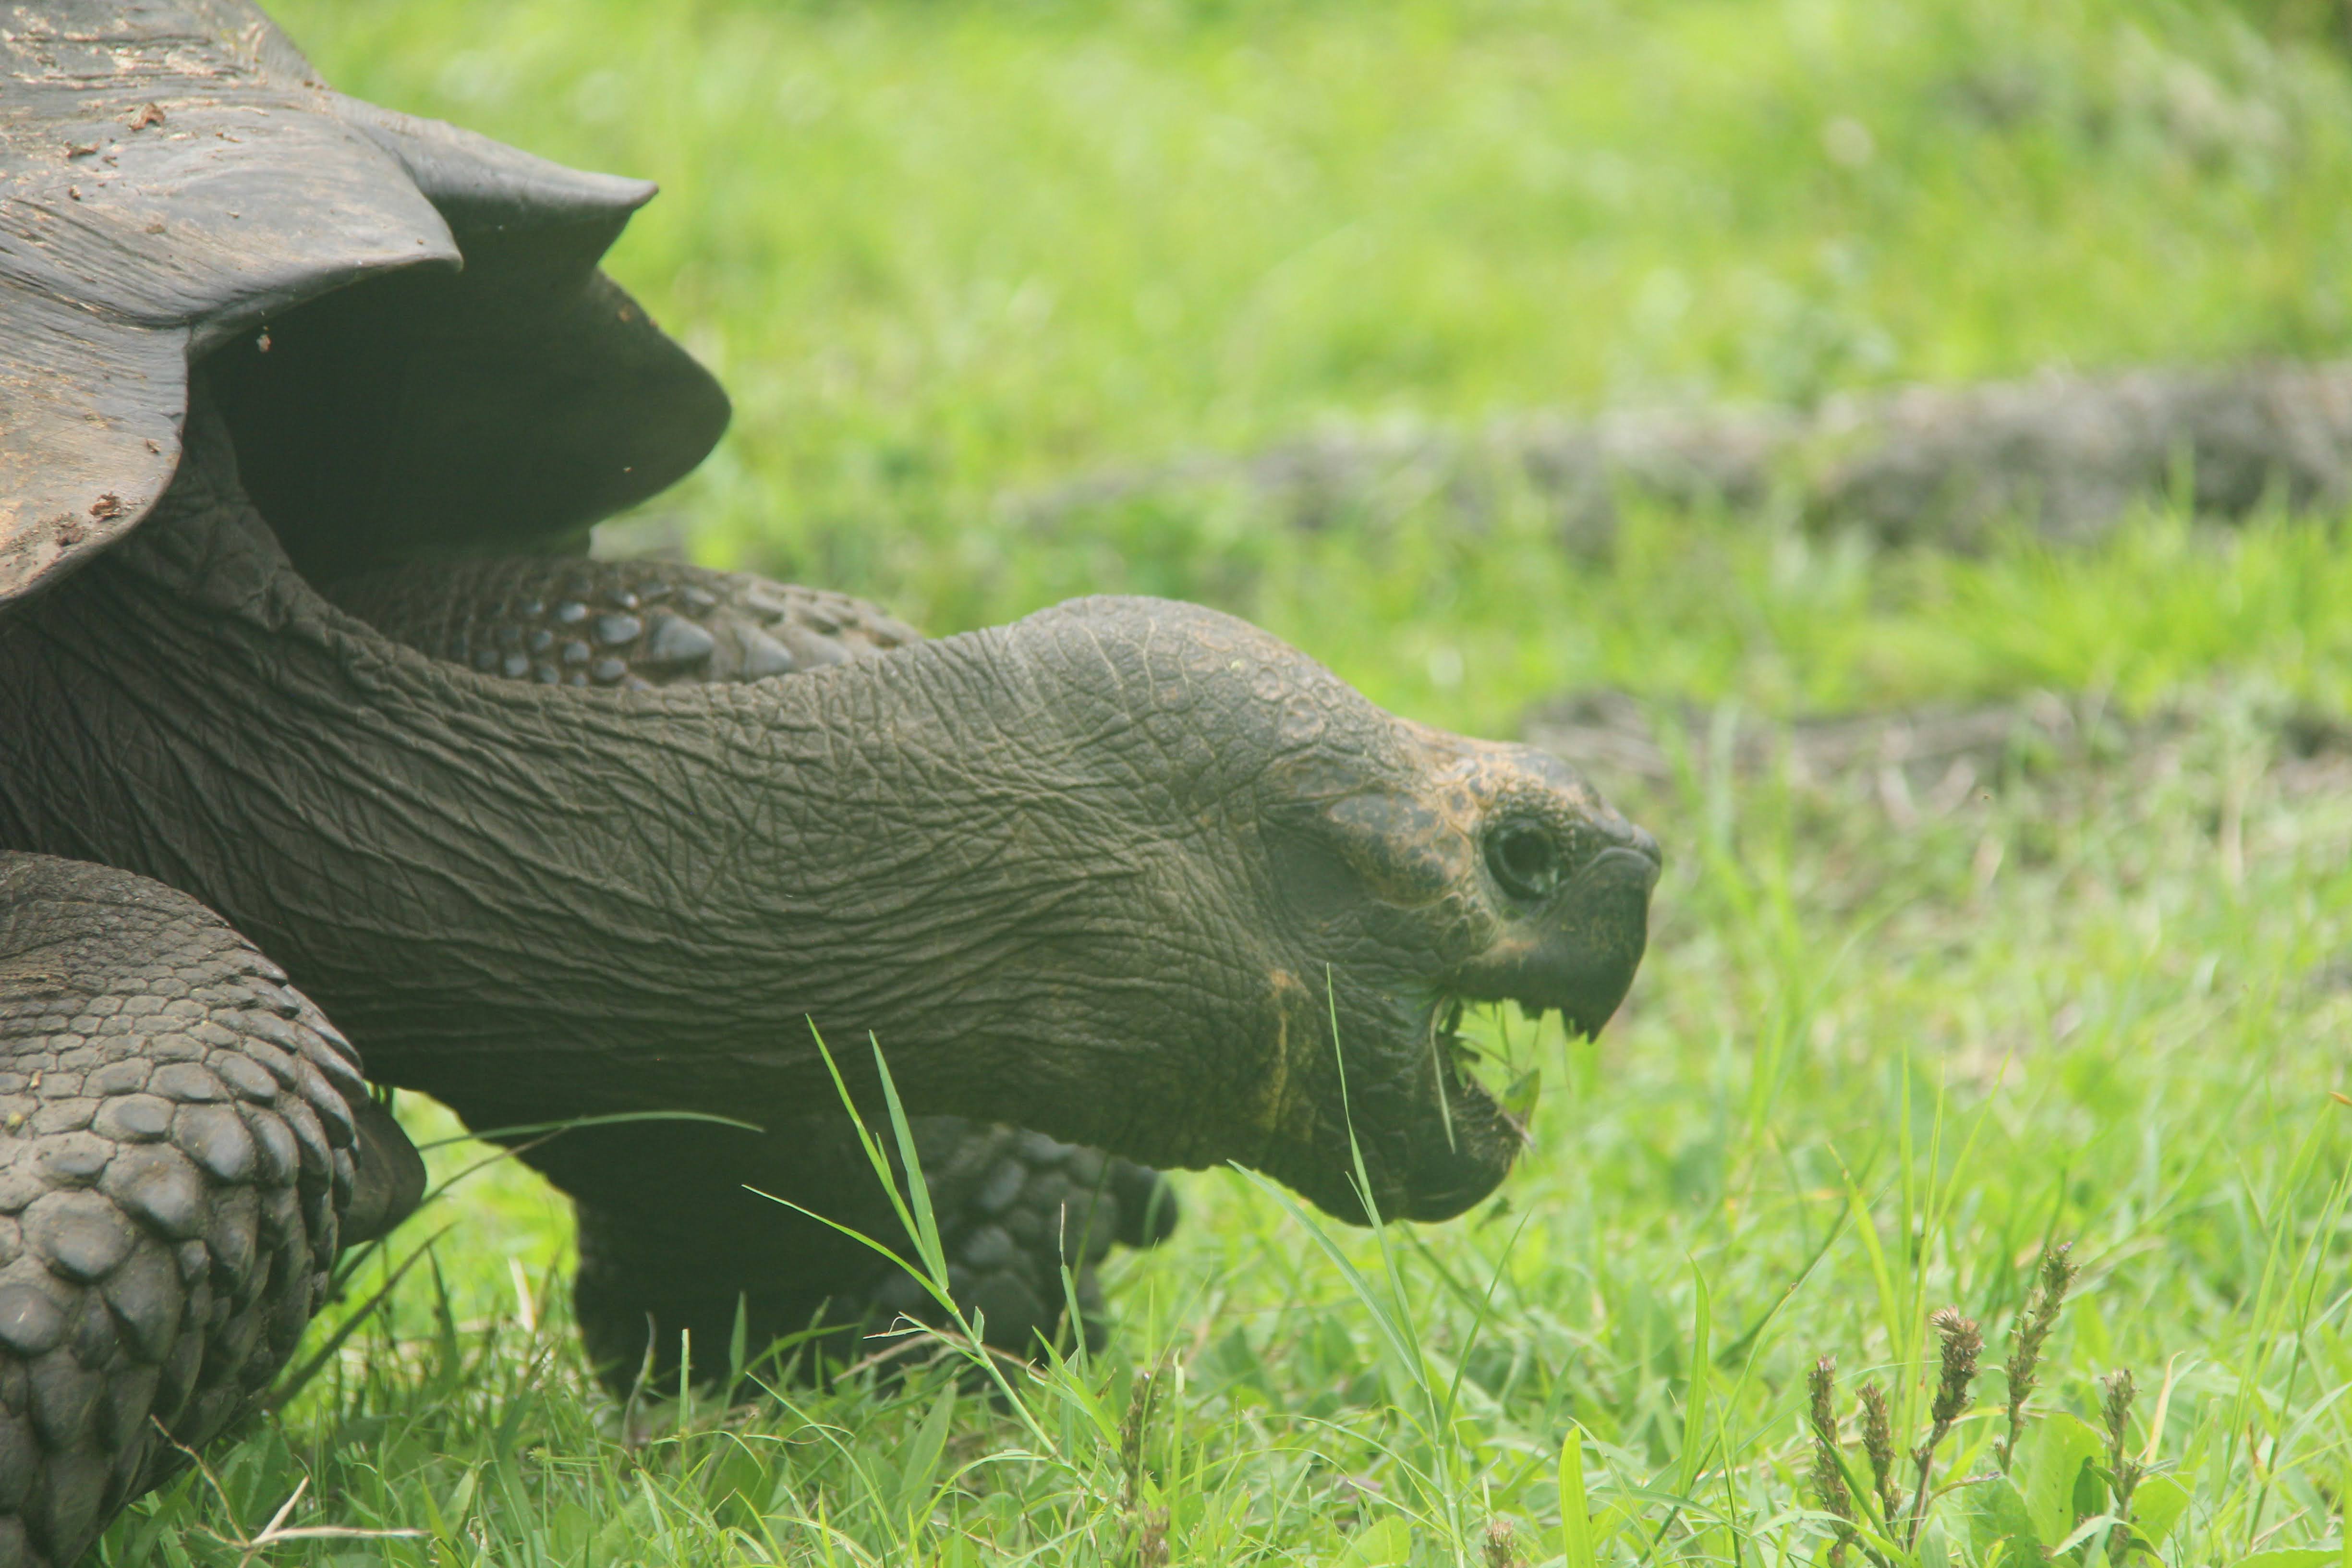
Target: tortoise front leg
177,1144
670,1250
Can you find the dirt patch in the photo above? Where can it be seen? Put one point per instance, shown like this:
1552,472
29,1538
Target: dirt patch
2068,455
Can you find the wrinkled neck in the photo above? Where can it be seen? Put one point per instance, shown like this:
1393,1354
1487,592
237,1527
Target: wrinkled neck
543,903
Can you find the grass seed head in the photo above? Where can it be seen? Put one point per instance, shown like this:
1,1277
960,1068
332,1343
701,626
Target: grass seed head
1503,1545
1821,1384
2058,1272
1963,1343
1828,1476
2038,1316
2115,1409
1151,1541
2027,1335
2116,1412
2122,1470
1878,1443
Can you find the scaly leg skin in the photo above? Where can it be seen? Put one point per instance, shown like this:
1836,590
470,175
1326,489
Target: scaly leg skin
177,1143
1012,1206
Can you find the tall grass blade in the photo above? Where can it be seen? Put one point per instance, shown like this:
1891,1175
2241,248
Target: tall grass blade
1575,1502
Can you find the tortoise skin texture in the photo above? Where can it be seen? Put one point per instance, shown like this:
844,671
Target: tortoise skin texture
176,1142
670,1269
632,624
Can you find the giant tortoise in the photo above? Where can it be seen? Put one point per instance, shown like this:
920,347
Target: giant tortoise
328,761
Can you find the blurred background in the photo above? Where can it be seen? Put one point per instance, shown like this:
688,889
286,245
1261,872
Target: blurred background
989,283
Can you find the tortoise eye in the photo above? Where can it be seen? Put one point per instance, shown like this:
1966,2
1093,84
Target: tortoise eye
1524,860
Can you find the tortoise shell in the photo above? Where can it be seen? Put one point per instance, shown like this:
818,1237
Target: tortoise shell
403,322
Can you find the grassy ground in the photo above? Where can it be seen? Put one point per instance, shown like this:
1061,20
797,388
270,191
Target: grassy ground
944,251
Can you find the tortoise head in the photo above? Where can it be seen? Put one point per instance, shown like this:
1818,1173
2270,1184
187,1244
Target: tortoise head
1428,874
1281,950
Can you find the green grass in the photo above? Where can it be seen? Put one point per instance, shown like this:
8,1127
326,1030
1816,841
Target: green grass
944,252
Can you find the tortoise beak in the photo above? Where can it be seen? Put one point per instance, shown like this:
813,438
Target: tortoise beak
1587,966
1580,956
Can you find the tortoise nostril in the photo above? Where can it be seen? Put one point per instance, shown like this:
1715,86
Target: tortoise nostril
1524,860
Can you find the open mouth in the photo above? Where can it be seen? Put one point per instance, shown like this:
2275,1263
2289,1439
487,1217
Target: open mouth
1436,1125
1463,1071
1460,1119
1487,1085
1477,1105
1454,1063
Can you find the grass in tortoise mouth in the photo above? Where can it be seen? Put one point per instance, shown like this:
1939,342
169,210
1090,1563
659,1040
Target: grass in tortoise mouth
1496,1068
